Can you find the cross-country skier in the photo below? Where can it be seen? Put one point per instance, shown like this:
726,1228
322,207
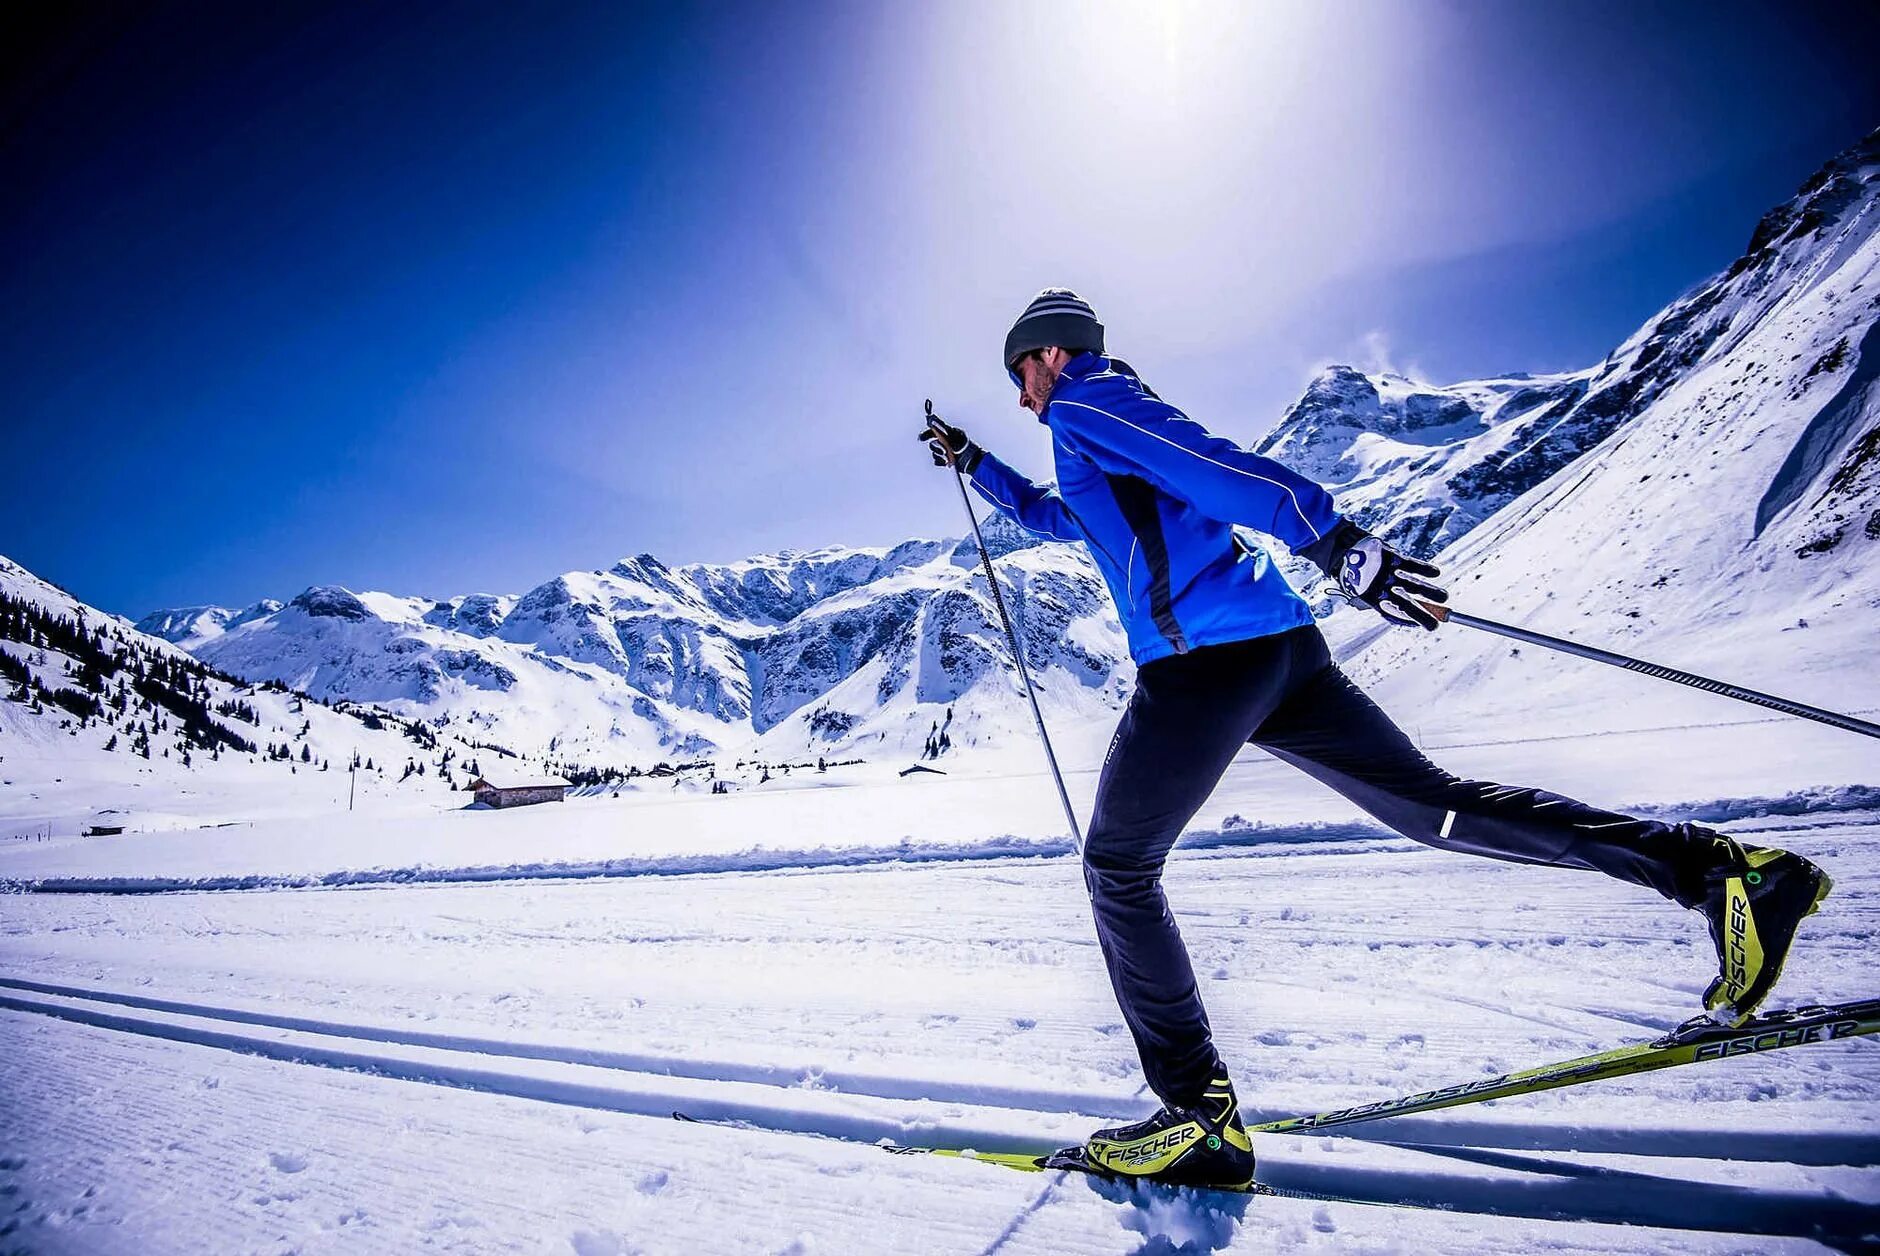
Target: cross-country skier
1226,654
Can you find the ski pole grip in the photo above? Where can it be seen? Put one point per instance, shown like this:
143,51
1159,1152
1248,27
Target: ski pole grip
946,450
1437,610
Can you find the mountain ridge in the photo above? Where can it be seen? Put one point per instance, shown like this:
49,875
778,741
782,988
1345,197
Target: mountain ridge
840,649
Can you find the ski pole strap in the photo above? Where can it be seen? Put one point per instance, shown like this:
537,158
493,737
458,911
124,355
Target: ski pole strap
1786,705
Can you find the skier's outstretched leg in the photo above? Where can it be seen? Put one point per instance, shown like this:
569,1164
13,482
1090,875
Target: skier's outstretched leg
1752,898
1191,713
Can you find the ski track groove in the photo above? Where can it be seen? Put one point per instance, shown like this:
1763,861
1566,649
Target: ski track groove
1571,1192
787,1077
1795,1148
267,1183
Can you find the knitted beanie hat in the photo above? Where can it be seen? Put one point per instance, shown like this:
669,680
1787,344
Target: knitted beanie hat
1056,316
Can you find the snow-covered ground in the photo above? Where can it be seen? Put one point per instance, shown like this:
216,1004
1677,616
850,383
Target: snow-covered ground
258,1070
985,805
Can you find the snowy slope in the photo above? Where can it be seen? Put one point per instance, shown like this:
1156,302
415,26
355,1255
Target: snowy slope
1732,527
131,761
191,626
1423,463
1426,463
394,652
827,652
942,664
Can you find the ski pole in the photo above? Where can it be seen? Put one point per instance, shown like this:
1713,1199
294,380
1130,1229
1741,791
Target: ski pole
1786,705
1018,652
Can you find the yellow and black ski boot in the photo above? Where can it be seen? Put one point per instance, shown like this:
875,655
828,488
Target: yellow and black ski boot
1753,901
1203,1145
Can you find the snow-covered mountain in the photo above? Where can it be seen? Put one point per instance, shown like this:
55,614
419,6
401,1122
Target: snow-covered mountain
1731,525
825,652
1424,463
841,650
191,626
102,724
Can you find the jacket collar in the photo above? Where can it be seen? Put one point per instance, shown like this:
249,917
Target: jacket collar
1082,366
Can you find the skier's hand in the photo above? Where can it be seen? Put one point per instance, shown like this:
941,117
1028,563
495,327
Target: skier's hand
948,444
1394,585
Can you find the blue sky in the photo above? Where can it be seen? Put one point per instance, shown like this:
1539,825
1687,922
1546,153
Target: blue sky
443,299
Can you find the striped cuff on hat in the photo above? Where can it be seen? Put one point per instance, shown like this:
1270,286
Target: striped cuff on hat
1056,316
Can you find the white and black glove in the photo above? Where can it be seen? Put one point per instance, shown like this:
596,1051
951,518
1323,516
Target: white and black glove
949,445
1371,572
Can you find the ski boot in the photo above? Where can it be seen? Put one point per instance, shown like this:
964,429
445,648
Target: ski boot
1205,1145
1753,900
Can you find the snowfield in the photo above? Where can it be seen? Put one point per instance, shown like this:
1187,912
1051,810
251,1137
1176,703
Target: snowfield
492,1065
1714,762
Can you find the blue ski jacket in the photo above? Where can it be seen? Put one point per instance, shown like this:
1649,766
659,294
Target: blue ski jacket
1152,495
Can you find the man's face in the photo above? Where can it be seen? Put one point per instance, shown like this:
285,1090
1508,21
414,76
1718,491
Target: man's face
1036,373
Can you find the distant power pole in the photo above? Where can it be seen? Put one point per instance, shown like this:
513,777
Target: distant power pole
352,779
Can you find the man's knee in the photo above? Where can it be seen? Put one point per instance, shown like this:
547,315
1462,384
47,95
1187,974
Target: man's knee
1120,865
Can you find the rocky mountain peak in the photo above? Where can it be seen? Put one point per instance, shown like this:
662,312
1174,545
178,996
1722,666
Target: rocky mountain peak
330,601
1426,463
1840,185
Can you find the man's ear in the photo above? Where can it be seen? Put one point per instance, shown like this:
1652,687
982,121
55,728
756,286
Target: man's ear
1056,356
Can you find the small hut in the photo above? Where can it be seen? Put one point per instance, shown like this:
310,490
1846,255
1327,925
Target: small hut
517,787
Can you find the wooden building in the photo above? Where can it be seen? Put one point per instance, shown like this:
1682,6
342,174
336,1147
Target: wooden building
518,787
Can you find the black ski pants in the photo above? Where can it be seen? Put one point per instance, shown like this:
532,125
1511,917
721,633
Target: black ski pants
1189,716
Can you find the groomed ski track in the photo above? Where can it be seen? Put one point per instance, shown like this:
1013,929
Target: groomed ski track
657,1085
953,1004
1569,1186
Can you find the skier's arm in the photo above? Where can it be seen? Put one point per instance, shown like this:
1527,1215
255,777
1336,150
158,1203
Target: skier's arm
1032,506
1158,443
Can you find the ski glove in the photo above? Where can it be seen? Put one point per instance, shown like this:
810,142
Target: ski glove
948,444
1371,572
